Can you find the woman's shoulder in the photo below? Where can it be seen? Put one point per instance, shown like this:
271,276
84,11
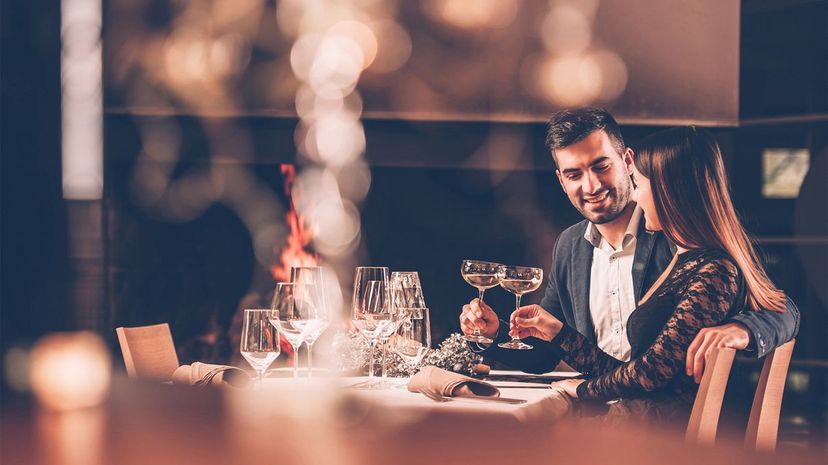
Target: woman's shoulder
710,260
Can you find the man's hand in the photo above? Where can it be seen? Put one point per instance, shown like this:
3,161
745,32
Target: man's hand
730,335
533,320
476,315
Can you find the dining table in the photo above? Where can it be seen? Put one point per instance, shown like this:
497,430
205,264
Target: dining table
330,420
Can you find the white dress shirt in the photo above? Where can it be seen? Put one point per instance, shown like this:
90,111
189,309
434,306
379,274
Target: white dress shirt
611,292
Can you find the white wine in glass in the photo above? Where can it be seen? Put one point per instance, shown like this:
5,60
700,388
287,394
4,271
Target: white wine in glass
482,275
518,280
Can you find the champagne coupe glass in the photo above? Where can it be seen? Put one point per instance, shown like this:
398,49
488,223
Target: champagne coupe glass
412,338
482,275
312,293
518,280
371,309
291,319
259,341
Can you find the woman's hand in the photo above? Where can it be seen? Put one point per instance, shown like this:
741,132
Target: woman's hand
533,320
570,386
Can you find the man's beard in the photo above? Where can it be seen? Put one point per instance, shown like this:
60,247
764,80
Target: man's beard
615,209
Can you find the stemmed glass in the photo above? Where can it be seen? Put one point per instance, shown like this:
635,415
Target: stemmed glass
412,337
406,292
259,341
311,293
371,309
482,275
292,315
518,280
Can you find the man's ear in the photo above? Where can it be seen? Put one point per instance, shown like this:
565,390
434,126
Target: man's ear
629,159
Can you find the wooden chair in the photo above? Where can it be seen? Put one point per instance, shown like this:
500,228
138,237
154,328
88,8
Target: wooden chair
763,424
148,351
704,418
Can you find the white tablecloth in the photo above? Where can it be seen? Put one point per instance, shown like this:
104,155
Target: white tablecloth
544,404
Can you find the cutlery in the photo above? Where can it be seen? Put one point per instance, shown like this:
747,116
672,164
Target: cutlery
439,397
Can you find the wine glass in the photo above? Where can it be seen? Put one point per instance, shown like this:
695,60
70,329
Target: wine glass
406,292
259,341
412,338
482,275
292,317
518,280
371,309
312,293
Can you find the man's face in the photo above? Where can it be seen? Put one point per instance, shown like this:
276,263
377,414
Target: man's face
595,177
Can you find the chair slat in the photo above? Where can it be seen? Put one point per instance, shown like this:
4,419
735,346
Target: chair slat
149,351
763,425
704,418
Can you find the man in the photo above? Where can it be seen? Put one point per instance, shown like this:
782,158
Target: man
602,266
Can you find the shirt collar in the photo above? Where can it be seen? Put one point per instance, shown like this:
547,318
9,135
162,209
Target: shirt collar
593,236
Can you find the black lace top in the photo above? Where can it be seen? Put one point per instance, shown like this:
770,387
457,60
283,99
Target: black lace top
702,290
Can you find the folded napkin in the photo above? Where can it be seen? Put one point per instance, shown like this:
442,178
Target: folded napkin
199,374
450,384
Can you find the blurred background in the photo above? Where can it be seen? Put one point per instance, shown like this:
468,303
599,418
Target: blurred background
169,160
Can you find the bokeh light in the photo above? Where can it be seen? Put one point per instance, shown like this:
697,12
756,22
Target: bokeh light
476,14
70,370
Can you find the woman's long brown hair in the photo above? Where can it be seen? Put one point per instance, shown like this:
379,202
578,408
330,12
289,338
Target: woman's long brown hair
692,199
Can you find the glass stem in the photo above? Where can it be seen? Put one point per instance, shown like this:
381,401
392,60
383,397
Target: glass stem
517,306
310,360
481,290
373,344
259,378
295,362
384,353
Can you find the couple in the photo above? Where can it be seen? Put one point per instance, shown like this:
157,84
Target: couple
659,273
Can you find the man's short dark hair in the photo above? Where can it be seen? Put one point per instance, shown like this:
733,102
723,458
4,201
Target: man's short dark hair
573,125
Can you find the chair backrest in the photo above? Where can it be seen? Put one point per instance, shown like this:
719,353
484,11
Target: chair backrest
148,351
704,418
763,424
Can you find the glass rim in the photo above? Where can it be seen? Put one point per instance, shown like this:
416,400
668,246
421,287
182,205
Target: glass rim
521,267
482,261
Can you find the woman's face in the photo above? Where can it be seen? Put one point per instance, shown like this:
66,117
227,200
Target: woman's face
643,196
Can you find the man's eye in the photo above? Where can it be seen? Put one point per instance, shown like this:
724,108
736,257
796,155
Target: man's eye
573,177
601,168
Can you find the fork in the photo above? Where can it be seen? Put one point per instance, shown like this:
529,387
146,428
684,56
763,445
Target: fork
437,396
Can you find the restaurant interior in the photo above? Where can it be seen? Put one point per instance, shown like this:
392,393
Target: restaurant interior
167,162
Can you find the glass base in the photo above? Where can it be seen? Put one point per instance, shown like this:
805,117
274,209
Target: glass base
515,344
479,338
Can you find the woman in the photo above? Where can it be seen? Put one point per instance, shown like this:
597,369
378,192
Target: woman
680,184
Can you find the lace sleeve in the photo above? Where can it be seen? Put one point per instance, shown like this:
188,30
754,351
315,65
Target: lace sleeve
705,301
583,355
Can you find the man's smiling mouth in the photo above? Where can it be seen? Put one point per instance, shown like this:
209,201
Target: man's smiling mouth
597,199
